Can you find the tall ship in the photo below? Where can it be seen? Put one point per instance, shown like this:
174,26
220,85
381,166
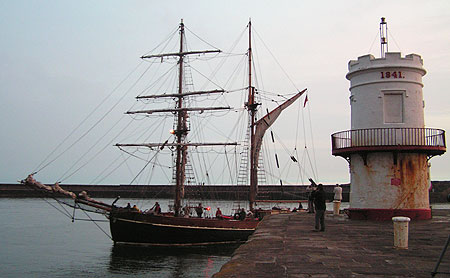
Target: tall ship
183,223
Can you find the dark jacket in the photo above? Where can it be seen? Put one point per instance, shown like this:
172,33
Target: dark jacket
319,199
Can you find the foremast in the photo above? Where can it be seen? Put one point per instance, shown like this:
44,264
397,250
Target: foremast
181,132
181,115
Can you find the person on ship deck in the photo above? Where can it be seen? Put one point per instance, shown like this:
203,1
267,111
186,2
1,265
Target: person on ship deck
199,210
136,209
156,209
186,211
219,213
242,214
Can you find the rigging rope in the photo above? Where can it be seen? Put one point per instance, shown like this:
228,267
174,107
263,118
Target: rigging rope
391,35
145,166
97,179
316,174
80,124
100,120
64,177
164,75
98,226
91,220
169,37
65,212
278,63
200,38
374,39
44,197
311,164
207,78
121,155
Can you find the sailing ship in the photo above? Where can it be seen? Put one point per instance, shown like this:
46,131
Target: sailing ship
176,227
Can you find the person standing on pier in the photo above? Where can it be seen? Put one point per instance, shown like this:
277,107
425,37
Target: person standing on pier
310,189
320,206
337,193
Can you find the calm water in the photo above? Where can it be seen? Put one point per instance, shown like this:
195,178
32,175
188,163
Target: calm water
36,240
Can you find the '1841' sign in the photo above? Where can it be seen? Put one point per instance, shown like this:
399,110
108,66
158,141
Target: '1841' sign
391,74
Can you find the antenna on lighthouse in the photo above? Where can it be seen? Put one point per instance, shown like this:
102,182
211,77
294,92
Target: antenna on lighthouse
383,37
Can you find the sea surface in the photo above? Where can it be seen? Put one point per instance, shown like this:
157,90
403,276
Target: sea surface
38,239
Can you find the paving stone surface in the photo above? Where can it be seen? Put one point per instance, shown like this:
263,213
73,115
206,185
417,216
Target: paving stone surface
285,245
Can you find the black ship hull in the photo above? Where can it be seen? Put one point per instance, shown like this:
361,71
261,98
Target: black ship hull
138,228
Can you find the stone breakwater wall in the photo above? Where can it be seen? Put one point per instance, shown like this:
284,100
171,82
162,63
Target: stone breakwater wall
219,192
438,194
439,191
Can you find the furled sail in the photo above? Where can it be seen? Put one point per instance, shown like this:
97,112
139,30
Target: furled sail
82,197
265,122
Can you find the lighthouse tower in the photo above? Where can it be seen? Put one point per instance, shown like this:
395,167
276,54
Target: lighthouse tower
388,146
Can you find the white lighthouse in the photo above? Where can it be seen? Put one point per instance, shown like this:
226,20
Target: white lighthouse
388,146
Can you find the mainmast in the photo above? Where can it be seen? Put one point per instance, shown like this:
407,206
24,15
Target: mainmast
252,108
258,128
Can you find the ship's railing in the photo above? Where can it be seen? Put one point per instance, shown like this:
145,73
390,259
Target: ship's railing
424,139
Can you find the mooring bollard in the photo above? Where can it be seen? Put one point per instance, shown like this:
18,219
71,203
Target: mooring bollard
401,232
336,207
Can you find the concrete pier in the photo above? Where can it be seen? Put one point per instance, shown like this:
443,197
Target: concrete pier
285,245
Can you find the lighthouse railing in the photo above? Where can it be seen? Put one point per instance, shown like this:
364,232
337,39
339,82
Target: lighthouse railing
423,138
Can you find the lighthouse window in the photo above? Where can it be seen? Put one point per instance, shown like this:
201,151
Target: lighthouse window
393,107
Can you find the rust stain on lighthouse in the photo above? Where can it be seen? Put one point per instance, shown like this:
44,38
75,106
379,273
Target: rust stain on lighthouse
414,183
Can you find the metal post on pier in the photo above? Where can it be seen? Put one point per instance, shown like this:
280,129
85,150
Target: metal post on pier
435,270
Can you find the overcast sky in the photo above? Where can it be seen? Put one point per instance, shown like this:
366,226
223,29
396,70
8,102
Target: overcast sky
59,58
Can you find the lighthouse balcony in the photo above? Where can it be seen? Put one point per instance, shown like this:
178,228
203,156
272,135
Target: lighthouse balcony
416,140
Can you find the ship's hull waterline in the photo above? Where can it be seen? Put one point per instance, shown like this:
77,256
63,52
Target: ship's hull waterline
143,229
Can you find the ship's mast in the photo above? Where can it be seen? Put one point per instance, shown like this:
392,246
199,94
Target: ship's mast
258,128
181,117
181,132
252,108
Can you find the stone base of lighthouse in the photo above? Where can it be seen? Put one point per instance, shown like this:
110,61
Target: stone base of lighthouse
388,184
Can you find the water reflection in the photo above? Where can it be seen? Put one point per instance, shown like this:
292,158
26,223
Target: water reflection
169,262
